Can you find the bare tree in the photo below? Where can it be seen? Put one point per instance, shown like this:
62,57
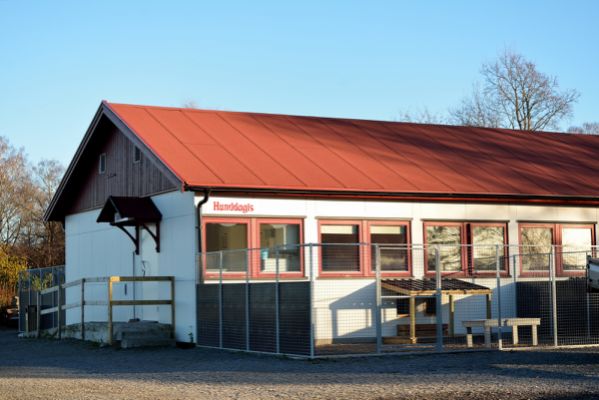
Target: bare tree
515,95
190,104
423,116
15,193
25,193
476,110
590,128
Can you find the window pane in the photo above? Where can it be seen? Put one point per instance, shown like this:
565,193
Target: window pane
232,240
393,250
340,251
576,243
536,248
286,239
484,241
450,239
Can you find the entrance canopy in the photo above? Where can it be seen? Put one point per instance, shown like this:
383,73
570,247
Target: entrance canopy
137,212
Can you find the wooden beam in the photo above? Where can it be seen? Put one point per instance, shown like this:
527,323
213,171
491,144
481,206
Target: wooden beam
110,311
140,302
413,338
82,309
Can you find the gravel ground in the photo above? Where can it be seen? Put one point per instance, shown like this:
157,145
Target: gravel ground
43,369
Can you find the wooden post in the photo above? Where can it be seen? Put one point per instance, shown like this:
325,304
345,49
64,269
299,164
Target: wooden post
82,308
412,319
38,318
172,279
489,306
451,316
110,310
58,297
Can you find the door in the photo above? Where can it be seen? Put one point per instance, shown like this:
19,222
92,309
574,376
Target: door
148,266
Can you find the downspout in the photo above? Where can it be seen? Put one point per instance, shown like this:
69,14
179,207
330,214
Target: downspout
199,231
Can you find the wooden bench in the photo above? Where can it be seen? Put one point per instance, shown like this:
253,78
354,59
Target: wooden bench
487,324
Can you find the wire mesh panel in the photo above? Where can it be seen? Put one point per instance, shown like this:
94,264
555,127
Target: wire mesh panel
31,282
255,300
340,297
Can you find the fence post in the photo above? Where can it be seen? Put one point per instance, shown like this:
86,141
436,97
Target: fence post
38,318
378,303
277,339
247,300
28,304
82,308
498,297
220,300
438,300
173,309
59,320
312,319
553,295
110,330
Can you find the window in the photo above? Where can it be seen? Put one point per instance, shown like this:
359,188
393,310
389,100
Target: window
136,155
465,247
348,247
393,242
573,243
535,249
102,163
576,243
252,245
340,252
280,241
226,243
484,239
449,239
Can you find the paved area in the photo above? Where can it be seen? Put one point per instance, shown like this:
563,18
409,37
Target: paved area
43,369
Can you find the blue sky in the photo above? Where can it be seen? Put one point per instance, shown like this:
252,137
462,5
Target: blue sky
369,59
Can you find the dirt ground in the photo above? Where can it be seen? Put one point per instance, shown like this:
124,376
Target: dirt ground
45,369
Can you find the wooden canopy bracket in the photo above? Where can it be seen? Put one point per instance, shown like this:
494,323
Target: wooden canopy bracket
135,237
155,236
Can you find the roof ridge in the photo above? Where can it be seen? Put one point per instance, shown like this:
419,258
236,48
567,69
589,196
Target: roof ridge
421,124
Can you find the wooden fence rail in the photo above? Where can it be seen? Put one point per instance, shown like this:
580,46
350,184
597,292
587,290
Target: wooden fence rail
110,303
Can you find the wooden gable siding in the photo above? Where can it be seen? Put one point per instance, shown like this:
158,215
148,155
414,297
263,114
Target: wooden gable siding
122,177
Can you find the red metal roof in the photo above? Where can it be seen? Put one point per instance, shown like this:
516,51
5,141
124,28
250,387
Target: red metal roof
218,149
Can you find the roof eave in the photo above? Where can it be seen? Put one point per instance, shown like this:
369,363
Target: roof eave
408,196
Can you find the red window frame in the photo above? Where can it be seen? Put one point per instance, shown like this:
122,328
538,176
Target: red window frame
369,257
470,260
361,256
463,252
365,256
256,263
556,240
467,257
253,243
224,220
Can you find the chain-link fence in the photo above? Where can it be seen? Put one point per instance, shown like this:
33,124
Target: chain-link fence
361,298
31,282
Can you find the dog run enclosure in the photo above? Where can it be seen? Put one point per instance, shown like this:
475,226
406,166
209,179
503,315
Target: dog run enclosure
513,299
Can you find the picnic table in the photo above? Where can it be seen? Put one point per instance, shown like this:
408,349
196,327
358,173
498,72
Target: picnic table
488,324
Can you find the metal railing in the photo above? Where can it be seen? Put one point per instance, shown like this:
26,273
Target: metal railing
518,296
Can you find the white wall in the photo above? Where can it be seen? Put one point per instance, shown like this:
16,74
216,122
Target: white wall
344,307
100,250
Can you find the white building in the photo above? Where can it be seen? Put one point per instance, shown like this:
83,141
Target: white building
225,181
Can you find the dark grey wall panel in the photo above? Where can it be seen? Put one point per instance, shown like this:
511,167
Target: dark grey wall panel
294,316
